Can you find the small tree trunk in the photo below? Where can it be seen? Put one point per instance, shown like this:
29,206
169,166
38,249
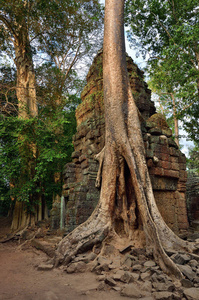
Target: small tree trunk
26,87
197,66
27,108
176,127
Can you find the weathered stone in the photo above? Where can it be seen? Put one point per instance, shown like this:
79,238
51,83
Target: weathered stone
132,291
71,269
163,296
196,280
192,195
103,260
174,152
172,143
192,293
163,140
101,277
136,267
187,271
158,276
155,131
78,267
186,283
44,267
102,286
159,286
135,276
110,281
125,249
128,262
167,132
146,286
116,288
115,264
149,264
145,276
180,259
100,268
149,153
193,263
118,275
127,277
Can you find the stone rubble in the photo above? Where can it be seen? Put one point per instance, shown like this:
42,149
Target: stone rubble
140,278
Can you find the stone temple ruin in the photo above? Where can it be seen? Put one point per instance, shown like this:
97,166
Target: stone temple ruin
166,163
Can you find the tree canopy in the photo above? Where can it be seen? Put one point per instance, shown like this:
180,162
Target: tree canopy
56,35
45,40
167,31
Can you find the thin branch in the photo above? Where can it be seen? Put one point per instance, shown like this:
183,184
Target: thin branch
7,23
7,31
73,61
173,9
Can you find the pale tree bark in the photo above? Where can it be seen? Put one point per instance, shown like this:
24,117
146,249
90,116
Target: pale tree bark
197,62
127,206
26,86
176,127
27,108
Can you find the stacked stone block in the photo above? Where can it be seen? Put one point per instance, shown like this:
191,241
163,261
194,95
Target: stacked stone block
167,169
165,161
192,194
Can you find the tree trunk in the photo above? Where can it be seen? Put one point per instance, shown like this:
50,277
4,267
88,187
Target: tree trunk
26,87
127,206
27,108
176,127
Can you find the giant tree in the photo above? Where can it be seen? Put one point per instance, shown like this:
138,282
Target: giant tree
36,31
15,35
119,216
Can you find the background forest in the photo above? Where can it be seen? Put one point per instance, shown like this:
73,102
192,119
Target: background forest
45,52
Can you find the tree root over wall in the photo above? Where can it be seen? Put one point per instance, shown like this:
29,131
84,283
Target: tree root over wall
127,203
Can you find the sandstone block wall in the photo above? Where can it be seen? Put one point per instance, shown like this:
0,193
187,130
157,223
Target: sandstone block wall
192,194
167,165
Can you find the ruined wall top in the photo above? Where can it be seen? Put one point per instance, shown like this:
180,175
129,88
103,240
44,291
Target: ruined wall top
92,94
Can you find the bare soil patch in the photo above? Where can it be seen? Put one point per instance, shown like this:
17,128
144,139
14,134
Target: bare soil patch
20,279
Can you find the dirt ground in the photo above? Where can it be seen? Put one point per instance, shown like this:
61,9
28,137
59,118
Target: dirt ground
20,279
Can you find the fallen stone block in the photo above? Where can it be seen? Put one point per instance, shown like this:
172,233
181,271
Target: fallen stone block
160,286
131,290
110,281
180,259
192,293
44,267
149,264
163,296
78,267
186,283
187,271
